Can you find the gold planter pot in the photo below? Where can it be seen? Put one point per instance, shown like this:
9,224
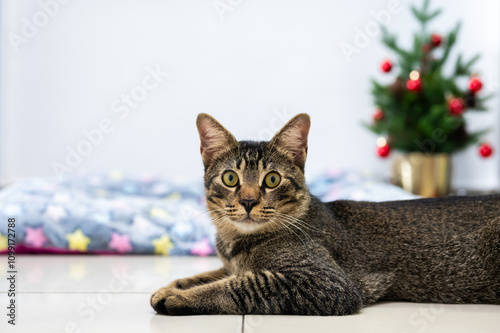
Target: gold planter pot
428,175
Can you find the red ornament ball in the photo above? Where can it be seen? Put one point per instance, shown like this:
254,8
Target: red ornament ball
456,106
383,151
475,84
485,150
413,85
436,40
378,115
386,66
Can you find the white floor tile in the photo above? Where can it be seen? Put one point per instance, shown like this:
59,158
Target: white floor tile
56,291
387,318
95,313
93,273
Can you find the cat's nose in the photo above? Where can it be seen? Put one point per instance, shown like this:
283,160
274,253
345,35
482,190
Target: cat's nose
248,204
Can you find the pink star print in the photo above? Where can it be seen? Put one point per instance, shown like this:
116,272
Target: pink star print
35,237
120,243
202,248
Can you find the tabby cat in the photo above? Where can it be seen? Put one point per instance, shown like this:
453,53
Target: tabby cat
285,252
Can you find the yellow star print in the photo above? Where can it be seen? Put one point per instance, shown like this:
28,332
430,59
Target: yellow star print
174,196
163,245
3,242
158,212
77,241
116,175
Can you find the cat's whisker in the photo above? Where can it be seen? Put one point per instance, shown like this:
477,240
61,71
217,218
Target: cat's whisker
274,224
297,220
284,224
297,223
280,224
219,218
211,211
199,224
311,229
304,224
300,229
204,213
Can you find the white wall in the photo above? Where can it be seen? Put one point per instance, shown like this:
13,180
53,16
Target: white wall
263,58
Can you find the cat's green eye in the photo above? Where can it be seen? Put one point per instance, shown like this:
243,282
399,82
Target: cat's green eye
230,178
272,179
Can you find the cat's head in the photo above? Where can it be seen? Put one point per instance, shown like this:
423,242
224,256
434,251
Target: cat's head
254,186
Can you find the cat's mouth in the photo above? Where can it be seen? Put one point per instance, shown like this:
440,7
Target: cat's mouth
248,220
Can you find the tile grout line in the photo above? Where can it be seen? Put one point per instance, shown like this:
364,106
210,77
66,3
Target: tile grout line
80,292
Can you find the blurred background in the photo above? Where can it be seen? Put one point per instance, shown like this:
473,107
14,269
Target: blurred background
99,152
117,84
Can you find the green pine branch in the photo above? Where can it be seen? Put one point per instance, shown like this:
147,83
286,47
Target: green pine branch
412,117
450,41
464,69
424,15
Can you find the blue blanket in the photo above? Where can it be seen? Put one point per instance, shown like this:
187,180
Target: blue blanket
112,213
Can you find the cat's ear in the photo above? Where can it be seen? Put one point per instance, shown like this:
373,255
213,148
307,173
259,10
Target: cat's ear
292,138
214,138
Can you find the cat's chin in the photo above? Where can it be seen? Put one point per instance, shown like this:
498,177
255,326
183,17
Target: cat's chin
247,225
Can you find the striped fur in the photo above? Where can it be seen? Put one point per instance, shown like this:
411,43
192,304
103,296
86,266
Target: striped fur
292,254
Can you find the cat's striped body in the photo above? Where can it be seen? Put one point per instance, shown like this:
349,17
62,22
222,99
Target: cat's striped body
285,252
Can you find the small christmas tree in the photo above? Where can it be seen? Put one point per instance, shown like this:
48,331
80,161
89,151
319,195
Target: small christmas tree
422,110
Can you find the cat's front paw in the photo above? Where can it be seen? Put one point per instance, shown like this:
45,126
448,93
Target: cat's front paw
172,301
182,283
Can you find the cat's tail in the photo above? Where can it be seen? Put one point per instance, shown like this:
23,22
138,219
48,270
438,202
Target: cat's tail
489,247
